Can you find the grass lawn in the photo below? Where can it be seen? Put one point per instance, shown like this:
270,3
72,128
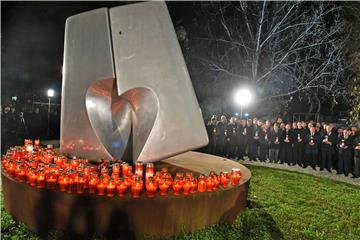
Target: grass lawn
282,205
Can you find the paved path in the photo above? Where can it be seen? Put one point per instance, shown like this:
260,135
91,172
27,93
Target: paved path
308,170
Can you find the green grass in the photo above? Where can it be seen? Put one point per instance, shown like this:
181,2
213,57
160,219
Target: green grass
282,205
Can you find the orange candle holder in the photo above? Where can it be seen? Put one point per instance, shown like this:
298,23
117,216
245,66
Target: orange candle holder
63,182
101,187
51,181
125,169
21,175
94,180
163,186
121,187
111,189
136,187
201,184
177,186
40,178
209,183
151,187
216,181
80,183
224,179
150,171
187,186
235,176
32,178
116,169
139,169
193,185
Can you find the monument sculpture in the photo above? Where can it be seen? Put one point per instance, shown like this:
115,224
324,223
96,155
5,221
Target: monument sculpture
127,93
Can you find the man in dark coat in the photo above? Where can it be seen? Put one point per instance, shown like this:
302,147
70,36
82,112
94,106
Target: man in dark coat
286,145
230,133
264,143
275,138
328,143
211,131
242,134
345,144
254,142
220,143
356,155
298,153
312,140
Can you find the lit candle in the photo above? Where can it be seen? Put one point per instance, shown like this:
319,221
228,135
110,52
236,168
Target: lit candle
201,184
125,169
216,181
177,186
37,143
151,187
136,187
121,187
21,175
32,178
193,185
51,180
224,179
163,186
209,184
235,176
111,189
63,182
139,169
187,186
40,180
149,170
116,169
92,184
101,188
80,183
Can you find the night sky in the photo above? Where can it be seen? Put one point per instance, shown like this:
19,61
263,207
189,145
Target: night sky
32,43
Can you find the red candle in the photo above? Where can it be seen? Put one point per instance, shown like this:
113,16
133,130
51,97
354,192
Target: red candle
149,170
80,183
116,169
177,186
224,179
125,169
37,143
151,187
63,182
101,188
139,169
51,180
121,187
187,186
193,185
21,175
216,181
40,180
92,184
163,187
235,176
11,169
209,184
136,187
32,178
111,188
201,184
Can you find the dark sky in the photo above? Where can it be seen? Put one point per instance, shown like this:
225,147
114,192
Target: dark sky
32,42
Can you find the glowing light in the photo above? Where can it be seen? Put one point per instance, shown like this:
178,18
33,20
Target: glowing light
50,92
243,97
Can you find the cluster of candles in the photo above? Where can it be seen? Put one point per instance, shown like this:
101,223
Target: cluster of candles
42,167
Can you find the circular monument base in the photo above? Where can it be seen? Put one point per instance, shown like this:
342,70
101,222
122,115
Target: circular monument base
45,209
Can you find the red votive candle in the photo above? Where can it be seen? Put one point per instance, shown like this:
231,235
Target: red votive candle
151,187
177,186
224,179
125,169
139,169
32,178
63,183
201,184
51,181
163,186
40,178
92,184
101,187
121,187
136,187
80,183
187,186
235,176
193,185
209,184
149,170
111,189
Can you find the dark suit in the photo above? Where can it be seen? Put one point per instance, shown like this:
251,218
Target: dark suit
328,150
274,146
264,145
312,142
298,151
254,142
242,134
286,147
345,154
220,140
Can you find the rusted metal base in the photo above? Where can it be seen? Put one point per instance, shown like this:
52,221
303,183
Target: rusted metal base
126,218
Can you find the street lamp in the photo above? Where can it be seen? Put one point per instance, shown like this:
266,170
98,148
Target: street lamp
243,97
50,94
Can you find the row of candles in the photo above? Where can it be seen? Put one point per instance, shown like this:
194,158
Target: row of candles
42,167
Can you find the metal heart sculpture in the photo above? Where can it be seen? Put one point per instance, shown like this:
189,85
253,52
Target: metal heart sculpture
126,89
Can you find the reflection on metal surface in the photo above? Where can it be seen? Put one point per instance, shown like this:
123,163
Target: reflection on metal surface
148,106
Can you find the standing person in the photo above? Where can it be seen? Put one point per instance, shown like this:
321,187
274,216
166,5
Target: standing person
275,138
36,125
220,143
212,133
242,139
249,132
345,144
230,133
357,156
12,125
298,155
328,142
264,144
22,129
286,147
312,140
254,142
5,132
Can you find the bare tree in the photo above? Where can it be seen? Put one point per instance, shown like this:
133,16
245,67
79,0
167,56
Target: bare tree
285,49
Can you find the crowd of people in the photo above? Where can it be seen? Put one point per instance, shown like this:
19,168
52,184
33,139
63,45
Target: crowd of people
27,123
311,144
